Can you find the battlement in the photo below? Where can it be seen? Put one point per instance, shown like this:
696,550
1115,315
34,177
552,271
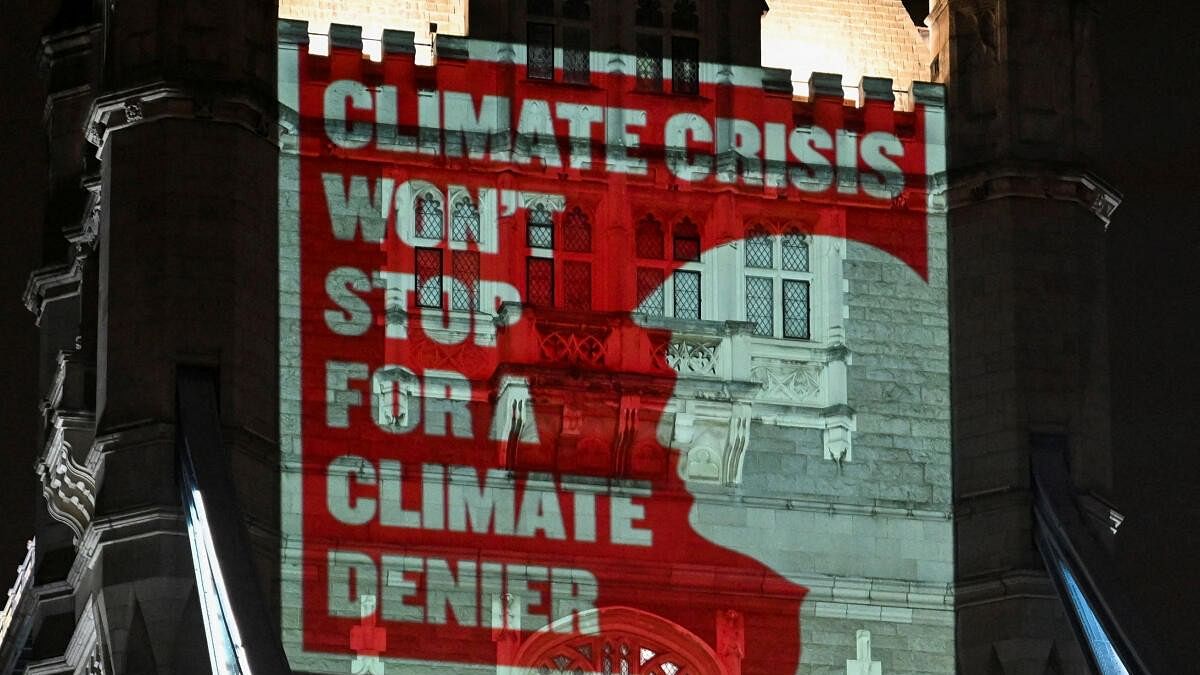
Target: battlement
351,54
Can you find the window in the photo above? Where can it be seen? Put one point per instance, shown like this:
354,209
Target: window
577,67
577,285
453,269
464,221
577,232
656,280
649,62
649,238
429,216
539,281
795,309
685,65
429,277
778,284
539,54
680,35
574,22
650,291
539,227
570,253
464,295
687,294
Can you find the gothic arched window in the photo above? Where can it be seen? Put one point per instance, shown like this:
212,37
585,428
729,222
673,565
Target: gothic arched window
464,221
685,241
539,227
577,231
429,216
758,248
650,238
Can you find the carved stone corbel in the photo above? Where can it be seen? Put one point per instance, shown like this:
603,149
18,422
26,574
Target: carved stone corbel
68,486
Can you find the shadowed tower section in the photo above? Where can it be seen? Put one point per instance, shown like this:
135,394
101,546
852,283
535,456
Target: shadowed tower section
1029,342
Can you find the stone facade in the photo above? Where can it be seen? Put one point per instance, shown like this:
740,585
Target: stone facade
164,172
856,38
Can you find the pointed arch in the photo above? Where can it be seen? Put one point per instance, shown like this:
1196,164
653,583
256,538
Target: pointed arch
625,640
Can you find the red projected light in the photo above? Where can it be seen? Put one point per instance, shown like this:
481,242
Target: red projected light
485,270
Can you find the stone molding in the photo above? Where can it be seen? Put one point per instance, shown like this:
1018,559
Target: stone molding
1005,586
158,101
1034,181
50,283
67,485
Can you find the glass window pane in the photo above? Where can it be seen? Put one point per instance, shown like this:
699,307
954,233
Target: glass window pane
795,309
577,285
687,294
464,221
795,253
539,282
429,277
577,66
685,65
650,291
577,231
760,304
687,248
650,239
539,53
686,241
429,216
539,232
649,62
758,249
464,295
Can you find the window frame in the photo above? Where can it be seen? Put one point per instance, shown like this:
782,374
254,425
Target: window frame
669,267
779,279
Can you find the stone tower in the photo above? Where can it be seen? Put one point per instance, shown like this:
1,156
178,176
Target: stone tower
1029,347
158,255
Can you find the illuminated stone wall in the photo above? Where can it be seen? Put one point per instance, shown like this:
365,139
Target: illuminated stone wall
852,37
375,15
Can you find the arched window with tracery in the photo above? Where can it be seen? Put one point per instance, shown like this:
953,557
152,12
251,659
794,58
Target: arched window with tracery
632,642
429,216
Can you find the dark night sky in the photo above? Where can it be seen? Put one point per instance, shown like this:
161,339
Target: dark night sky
1154,258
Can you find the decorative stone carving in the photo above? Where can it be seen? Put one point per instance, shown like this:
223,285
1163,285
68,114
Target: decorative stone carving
691,357
575,348
133,111
69,488
514,421
731,640
789,381
703,464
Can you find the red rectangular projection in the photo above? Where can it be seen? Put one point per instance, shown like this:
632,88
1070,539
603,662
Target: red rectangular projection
475,267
